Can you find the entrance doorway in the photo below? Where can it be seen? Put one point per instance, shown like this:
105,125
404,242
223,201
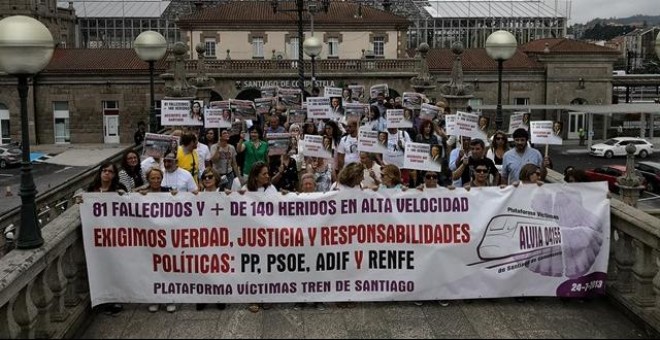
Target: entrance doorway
576,121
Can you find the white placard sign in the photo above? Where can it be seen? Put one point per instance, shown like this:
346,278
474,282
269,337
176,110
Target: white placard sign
368,140
317,146
542,133
181,113
421,156
357,245
516,121
318,108
428,111
217,118
399,118
332,92
450,125
467,124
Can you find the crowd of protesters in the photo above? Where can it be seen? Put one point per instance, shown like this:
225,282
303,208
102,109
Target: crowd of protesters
237,159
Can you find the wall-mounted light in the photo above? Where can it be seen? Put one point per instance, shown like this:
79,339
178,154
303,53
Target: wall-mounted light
476,83
581,83
238,84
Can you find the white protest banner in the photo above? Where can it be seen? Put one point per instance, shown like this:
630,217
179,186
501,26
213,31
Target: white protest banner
516,121
317,146
428,111
379,88
369,141
157,146
181,113
318,108
344,245
332,92
542,133
450,125
278,143
421,156
413,100
396,118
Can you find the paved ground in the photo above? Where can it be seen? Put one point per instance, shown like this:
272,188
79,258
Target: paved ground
501,318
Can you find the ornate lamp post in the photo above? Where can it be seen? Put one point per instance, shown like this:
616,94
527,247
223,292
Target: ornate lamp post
312,47
500,45
657,45
26,47
151,46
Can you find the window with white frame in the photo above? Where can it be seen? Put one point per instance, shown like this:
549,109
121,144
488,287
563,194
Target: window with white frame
61,122
293,48
521,101
209,45
333,47
379,46
5,136
258,47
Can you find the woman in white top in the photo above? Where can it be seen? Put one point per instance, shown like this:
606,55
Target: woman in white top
259,179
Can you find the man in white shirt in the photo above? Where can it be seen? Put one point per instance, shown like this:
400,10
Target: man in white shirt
348,146
176,178
372,173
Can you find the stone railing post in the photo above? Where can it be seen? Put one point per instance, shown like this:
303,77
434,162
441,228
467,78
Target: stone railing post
58,284
42,298
25,313
611,264
624,257
643,270
656,284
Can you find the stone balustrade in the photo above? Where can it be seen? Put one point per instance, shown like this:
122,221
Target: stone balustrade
633,275
44,292
258,66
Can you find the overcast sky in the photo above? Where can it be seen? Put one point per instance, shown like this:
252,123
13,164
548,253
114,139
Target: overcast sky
585,10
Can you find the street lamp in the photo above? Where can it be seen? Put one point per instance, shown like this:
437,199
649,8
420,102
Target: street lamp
26,47
312,47
299,9
500,45
657,45
151,46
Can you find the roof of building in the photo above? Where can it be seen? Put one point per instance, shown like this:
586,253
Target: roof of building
111,60
565,46
476,59
492,9
117,8
339,14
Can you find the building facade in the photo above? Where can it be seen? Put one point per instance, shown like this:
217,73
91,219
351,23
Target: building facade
99,95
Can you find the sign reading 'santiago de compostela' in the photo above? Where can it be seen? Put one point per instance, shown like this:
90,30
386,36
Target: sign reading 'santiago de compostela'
293,83
354,245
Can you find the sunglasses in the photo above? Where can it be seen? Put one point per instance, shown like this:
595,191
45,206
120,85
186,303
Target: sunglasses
431,177
108,170
208,177
500,138
481,171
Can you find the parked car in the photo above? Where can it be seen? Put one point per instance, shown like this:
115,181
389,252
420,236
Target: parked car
9,155
651,172
609,173
617,147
